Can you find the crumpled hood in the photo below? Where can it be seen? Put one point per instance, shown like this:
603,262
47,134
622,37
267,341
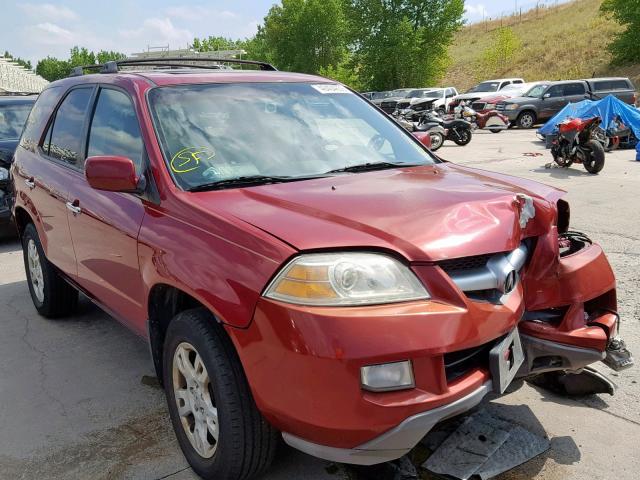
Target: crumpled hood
424,213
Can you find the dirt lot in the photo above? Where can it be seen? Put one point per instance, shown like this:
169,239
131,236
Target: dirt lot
77,397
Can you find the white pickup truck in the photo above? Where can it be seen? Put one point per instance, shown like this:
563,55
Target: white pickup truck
431,99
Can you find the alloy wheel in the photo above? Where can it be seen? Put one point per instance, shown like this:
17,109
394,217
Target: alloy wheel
194,400
526,121
36,276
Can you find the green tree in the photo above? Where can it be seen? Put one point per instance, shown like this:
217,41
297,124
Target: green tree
213,44
305,35
104,56
402,43
497,57
345,72
25,63
52,68
625,48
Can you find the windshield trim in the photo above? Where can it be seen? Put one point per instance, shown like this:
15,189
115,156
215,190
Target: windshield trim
165,163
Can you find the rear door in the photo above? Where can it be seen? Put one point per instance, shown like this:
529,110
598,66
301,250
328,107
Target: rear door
43,167
552,101
574,92
105,225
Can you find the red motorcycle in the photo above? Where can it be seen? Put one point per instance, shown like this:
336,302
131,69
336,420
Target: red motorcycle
493,120
575,144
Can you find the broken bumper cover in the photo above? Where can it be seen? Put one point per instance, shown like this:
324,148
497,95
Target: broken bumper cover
396,442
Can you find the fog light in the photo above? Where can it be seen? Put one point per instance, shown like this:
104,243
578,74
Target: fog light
387,376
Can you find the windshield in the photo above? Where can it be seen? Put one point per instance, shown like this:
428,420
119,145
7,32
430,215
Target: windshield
216,132
12,119
432,94
536,91
485,87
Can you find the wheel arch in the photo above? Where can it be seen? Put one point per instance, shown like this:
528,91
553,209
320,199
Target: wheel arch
22,219
164,303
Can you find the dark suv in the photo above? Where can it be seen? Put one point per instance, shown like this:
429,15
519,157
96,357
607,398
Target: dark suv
14,110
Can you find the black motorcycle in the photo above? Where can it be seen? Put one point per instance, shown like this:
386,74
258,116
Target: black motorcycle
457,130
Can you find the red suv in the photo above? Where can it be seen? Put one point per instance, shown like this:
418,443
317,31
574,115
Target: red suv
300,265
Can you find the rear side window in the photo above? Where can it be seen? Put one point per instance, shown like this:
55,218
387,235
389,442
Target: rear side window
555,91
66,130
604,85
517,81
574,89
115,129
38,117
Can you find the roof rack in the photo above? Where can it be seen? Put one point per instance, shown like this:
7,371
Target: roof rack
114,66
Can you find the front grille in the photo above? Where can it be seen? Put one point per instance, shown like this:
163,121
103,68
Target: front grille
477,106
465,263
388,107
401,105
500,106
457,364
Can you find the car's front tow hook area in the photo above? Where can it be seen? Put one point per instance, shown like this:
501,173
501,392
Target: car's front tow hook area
618,357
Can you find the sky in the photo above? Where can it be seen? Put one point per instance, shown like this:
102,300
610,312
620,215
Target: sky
33,30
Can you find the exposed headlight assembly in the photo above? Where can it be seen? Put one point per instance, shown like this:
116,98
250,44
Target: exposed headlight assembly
511,106
344,279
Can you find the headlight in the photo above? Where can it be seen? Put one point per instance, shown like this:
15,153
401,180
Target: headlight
511,106
335,279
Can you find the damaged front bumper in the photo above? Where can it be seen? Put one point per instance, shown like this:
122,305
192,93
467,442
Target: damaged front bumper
396,442
562,307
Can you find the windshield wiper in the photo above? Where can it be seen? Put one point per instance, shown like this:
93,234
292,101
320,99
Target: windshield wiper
366,167
243,181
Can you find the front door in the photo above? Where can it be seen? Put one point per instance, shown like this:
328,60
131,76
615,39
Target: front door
105,225
552,101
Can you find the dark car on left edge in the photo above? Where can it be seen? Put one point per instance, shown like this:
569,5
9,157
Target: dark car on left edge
14,110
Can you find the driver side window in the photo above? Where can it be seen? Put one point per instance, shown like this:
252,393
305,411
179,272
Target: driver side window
114,128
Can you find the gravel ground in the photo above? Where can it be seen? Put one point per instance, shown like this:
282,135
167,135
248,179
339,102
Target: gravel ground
78,400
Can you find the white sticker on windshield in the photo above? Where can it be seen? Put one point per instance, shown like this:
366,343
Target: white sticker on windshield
329,88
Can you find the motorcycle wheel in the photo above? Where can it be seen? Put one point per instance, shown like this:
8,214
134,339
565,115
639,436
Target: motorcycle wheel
560,160
462,137
437,139
595,162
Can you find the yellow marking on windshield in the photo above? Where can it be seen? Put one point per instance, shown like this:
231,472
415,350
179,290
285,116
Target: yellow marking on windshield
189,158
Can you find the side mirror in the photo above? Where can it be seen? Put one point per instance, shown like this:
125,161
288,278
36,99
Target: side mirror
111,173
546,95
424,138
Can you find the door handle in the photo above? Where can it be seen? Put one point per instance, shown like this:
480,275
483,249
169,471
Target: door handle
75,209
29,182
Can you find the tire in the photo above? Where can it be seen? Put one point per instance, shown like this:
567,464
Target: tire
435,145
52,296
595,162
495,130
441,111
246,443
463,138
526,119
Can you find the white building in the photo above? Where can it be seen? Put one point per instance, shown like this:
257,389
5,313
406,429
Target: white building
16,78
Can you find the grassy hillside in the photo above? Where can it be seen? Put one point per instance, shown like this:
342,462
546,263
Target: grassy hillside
563,42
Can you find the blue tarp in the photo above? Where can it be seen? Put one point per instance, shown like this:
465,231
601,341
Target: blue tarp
607,109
